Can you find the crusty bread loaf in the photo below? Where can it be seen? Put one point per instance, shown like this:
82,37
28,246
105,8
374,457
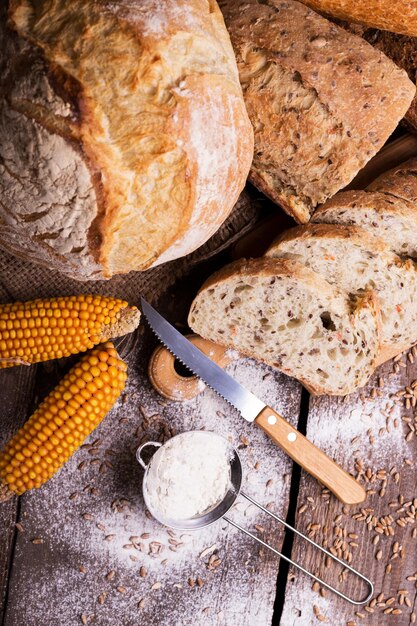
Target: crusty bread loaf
124,139
354,261
398,16
321,100
387,208
281,312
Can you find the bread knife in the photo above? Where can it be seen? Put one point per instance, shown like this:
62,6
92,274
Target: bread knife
298,447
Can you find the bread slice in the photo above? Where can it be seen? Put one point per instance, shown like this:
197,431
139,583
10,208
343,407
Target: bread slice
283,313
355,261
381,214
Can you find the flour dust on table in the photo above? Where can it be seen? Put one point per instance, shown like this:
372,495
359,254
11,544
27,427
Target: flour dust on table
101,554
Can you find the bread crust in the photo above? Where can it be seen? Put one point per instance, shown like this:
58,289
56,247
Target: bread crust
363,199
400,182
398,16
154,115
340,101
268,267
265,266
354,234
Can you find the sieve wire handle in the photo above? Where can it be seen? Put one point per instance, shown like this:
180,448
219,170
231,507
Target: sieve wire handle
297,565
154,444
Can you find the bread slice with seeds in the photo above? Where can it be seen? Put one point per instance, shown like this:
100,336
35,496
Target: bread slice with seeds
355,261
283,313
387,208
382,215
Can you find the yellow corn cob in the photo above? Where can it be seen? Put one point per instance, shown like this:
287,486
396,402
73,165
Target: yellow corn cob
50,329
62,421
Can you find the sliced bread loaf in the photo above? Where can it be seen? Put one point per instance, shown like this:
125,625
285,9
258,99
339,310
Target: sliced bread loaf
355,261
283,313
381,214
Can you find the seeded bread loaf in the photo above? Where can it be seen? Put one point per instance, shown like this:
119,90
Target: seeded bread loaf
124,139
281,312
354,261
387,208
321,100
398,16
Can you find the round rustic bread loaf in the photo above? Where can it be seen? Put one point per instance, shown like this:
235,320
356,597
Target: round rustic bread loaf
124,139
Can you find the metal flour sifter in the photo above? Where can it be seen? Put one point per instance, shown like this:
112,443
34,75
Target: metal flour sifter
219,511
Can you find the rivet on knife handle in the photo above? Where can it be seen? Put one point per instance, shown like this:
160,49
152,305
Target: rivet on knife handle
311,458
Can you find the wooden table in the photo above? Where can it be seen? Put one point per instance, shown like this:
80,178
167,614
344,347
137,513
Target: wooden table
84,550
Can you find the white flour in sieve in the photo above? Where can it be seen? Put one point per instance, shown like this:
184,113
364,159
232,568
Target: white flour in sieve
188,475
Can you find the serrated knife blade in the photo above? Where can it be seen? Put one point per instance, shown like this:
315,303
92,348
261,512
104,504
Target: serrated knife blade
214,376
298,447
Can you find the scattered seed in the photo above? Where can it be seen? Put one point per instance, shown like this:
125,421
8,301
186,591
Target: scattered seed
37,540
156,586
143,572
121,589
110,575
208,551
141,603
102,597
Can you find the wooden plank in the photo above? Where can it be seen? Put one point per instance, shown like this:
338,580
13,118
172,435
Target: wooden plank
17,394
98,495
367,434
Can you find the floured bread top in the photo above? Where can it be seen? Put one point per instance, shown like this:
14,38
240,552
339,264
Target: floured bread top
141,112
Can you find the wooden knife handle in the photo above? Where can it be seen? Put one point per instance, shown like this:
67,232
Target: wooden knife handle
311,458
